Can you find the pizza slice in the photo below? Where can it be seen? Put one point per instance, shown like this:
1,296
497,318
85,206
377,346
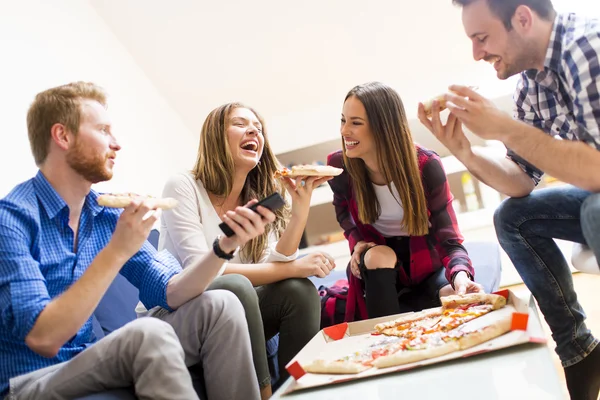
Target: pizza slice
421,348
460,309
415,327
122,200
408,319
357,361
469,299
308,170
428,105
455,311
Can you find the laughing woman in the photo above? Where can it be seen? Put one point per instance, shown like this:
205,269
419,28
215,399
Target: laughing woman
395,207
235,164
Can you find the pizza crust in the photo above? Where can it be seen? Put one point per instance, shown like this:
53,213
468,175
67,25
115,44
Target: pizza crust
122,201
335,367
498,328
453,301
308,170
428,105
410,356
434,312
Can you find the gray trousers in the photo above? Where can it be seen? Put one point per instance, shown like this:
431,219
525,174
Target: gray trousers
154,356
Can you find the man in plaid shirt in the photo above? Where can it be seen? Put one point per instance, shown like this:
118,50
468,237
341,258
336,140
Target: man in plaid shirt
557,95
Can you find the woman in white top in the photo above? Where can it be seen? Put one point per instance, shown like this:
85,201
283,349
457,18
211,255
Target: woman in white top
235,163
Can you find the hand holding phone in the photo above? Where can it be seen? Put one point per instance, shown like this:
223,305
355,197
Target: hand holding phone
273,202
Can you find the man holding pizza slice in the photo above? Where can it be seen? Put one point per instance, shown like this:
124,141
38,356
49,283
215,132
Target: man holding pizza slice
558,94
59,252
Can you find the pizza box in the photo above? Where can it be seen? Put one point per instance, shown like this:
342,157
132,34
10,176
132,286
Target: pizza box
342,339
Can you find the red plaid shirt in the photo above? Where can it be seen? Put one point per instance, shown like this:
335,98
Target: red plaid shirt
441,247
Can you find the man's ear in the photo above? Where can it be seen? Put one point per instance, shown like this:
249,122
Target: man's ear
60,136
522,19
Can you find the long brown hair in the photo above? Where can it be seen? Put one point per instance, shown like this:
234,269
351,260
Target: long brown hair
396,156
215,169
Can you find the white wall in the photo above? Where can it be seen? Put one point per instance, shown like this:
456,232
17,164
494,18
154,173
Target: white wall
48,43
294,62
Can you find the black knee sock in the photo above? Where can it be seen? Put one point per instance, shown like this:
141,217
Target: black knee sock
583,378
381,293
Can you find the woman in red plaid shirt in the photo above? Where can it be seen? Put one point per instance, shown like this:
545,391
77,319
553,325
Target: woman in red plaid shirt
395,207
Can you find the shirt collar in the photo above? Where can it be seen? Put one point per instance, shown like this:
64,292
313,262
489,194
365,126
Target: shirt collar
91,201
48,197
554,51
54,204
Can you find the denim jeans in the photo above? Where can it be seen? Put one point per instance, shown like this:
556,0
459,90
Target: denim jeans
526,229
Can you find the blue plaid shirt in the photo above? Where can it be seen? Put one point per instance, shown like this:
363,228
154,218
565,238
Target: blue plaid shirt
37,264
564,99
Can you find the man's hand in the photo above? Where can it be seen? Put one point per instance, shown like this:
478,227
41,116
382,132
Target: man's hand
463,285
246,225
133,227
318,264
478,114
360,247
450,135
301,191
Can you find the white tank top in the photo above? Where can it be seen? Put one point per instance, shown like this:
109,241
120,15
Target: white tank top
389,222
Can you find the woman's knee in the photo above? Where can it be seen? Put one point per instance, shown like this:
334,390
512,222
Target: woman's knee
300,291
240,286
380,257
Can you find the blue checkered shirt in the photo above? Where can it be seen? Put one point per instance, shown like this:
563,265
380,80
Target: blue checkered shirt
563,100
37,264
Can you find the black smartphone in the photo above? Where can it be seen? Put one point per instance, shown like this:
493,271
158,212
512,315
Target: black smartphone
273,202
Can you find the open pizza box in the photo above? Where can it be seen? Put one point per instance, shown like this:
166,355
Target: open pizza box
340,340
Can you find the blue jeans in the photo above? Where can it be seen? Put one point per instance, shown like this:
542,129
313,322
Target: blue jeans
526,229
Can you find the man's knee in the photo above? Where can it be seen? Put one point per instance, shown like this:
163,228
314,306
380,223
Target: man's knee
510,214
380,257
226,310
590,213
149,329
241,287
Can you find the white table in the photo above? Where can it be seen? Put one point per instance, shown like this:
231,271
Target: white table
522,372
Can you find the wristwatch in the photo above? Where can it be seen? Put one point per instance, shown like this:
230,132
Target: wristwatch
219,251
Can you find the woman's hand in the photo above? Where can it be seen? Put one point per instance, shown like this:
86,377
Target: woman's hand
246,224
360,247
301,191
318,264
463,284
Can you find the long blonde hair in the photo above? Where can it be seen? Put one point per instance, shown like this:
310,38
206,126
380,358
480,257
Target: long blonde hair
396,155
215,169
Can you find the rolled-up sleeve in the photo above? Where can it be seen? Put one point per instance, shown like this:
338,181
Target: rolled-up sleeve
150,271
443,220
272,255
525,112
23,290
